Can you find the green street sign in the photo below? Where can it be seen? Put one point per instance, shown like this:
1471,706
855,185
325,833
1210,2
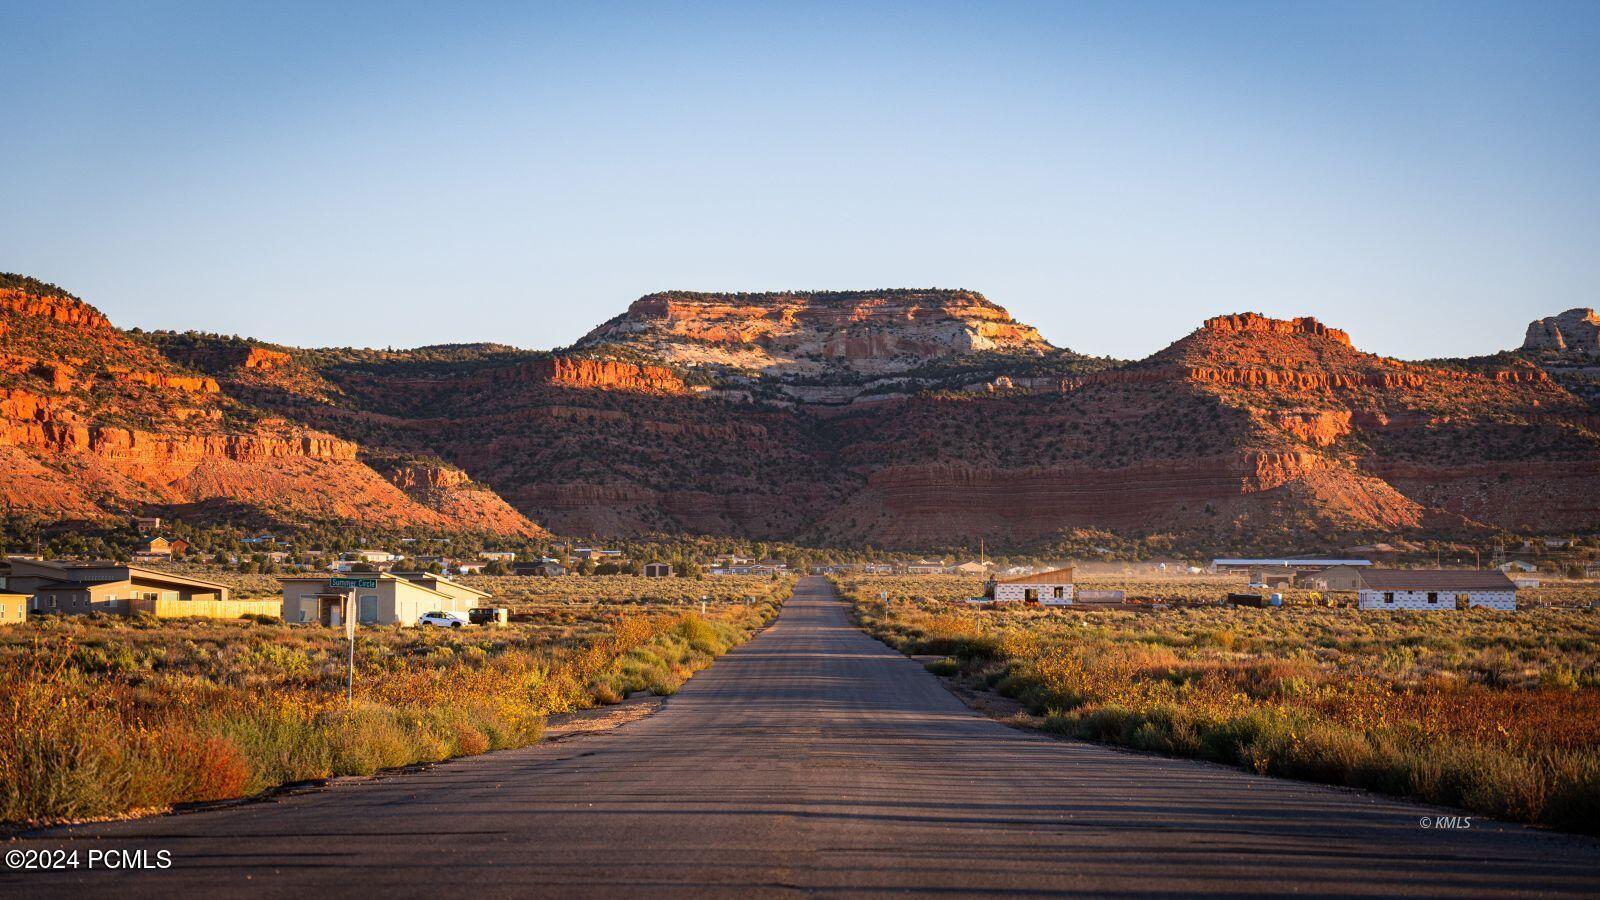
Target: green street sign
353,583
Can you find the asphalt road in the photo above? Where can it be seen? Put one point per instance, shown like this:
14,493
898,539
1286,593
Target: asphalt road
815,760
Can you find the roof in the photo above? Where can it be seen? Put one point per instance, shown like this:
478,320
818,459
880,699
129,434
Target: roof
65,568
1435,580
1054,576
381,576
1291,561
78,585
416,577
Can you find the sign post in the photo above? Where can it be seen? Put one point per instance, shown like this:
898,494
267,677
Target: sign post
350,635
349,614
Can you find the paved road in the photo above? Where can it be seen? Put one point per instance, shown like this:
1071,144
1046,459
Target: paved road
815,760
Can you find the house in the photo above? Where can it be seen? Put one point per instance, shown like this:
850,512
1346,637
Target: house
926,567
1558,543
469,567
1525,581
1052,588
471,596
1517,565
971,568
13,608
544,568
1272,579
156,546
505,556
1014,571
147,524
394,601
1334,578
1592,570
657,570
1435,589
372,556
85,587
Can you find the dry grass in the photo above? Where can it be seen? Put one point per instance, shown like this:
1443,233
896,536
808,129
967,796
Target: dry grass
100,716
1498,713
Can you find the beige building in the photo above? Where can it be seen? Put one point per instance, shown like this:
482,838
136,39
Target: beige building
1334,578
1436,589
397,600
84,587
13,608
1053,588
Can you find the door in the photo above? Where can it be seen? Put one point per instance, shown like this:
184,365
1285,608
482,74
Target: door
369,609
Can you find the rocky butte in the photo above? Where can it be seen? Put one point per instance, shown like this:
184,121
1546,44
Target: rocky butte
869,332
1574,331
905,418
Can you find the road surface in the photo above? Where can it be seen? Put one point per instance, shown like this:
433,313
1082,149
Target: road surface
815,760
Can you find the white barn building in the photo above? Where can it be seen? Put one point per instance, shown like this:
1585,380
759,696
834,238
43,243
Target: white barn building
1436,589
1052,588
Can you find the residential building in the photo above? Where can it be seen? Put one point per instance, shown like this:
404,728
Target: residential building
1333,578
927,567
1517,565
13,608
394,601
471,596
544,568
971,568
469,567
1052,588
85,587
1435,589
147,524
1273,579
156,546
657,570
372,556
505,556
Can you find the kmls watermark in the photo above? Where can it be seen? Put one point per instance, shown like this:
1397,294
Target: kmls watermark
1458,823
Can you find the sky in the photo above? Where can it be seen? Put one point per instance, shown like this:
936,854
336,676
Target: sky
1423,175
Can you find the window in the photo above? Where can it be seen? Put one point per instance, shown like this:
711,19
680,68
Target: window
1388,596
1031,595
1060,593
1433,597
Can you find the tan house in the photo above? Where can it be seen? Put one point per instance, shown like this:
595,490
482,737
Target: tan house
657,570
13,608
971,568
1334,578
395,600
86,587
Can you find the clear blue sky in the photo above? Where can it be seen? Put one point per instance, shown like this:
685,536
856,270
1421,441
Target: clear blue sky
1426,176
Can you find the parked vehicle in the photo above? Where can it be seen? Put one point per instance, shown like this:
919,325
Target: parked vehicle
441,620
487,615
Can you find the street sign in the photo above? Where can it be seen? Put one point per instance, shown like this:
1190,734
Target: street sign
368,583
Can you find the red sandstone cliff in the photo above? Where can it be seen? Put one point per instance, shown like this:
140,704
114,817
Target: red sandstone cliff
95,423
